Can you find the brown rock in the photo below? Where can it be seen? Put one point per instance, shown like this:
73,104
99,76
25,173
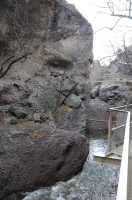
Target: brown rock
38,156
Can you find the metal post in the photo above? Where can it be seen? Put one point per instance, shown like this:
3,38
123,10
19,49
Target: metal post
109,132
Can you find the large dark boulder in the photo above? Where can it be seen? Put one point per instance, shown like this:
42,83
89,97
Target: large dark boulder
46,53
112,93
37,156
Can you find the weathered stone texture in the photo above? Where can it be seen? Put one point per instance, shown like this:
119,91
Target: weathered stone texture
38,156
60,41
45,58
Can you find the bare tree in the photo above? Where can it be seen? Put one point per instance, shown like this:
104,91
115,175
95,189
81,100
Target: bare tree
120,8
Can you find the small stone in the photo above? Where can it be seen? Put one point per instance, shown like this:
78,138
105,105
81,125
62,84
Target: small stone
37,118
14,121
73,101
55,74
44,118
30,118
18,112
111,95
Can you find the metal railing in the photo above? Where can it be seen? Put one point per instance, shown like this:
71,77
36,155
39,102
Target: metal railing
114,78
123,186
114,119
116,129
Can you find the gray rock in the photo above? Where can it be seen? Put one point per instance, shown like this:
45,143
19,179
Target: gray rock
69,82
127,97
83,88
18,112
61,43
38,118
103,96
30,117
12,91
111,93
95,92
50,97
97,116
37,156
104,87
73,101
14,121
71,119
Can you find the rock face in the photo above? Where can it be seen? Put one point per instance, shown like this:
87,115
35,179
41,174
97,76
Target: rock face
38,156
112,93
97,116
45,58
46,53
103,97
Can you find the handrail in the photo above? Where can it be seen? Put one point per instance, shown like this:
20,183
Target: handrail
122,192
119,126
117,108
112,129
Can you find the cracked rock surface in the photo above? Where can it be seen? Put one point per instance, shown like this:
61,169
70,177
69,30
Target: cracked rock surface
45,58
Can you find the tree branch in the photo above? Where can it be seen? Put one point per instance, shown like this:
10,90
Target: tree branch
11,63
121,16
108,27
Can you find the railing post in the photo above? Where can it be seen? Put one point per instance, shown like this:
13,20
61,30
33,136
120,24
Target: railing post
123,192
110,131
